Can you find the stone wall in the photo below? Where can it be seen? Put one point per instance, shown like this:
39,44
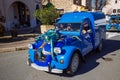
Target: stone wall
67,5
63,4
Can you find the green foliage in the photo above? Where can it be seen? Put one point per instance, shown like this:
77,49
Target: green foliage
46,15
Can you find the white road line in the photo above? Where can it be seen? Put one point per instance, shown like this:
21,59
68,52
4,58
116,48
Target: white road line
111,34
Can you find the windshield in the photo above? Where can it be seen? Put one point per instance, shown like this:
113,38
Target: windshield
115,20
68,26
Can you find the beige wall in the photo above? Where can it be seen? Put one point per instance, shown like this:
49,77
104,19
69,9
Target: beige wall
110,6
63,4
67,5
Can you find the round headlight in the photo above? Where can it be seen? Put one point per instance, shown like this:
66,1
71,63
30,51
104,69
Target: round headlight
57,50
30,46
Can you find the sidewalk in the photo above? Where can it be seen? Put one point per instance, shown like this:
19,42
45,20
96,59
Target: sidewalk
7,43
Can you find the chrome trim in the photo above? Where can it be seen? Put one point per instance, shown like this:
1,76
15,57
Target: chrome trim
46,68
45,52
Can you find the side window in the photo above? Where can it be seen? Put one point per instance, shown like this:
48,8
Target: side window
85,27
77,2
69,27
118,10
114,10
115,1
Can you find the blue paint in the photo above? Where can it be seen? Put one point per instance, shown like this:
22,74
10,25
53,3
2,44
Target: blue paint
31,54
113,23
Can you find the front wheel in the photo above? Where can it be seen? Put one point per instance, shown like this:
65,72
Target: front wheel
74,64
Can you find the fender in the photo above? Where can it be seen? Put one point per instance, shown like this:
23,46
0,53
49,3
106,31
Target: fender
31,54
65,56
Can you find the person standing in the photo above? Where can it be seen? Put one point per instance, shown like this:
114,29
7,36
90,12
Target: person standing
15,22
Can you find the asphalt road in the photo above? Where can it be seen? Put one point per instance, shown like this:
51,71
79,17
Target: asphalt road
98,66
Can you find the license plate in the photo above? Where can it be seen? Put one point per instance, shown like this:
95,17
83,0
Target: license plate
113,27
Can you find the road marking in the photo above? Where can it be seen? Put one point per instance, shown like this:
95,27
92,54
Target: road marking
112,34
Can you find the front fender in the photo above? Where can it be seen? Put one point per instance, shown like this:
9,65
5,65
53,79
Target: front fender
31,54
65,56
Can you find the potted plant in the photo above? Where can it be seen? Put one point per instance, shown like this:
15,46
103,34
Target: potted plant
47,16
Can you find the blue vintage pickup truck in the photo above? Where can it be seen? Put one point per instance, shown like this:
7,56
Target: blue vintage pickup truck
63,48
113,23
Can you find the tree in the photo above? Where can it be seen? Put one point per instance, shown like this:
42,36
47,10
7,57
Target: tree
47,14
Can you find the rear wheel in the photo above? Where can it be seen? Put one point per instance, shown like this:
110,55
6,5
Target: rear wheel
74,64
99,48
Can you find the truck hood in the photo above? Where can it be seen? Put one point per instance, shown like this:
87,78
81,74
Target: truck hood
63,41
55,39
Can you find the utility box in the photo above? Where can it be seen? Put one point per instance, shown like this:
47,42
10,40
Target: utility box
45,28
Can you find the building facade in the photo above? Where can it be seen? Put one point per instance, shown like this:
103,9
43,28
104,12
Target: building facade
18,12
112,7
72,5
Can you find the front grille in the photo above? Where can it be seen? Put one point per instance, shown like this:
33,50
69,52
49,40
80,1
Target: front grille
36,56
42,59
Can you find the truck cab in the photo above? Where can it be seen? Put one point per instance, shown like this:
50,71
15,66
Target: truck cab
63,48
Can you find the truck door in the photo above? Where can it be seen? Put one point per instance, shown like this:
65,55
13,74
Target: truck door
97,36
86,38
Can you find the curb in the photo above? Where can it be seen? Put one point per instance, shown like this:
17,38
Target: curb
17,48
21,35
13,49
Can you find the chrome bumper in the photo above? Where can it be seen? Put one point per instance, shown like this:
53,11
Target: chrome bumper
46,68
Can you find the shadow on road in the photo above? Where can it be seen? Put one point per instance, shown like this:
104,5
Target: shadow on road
91,59
23,34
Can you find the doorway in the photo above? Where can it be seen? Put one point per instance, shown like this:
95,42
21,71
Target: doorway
22,14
